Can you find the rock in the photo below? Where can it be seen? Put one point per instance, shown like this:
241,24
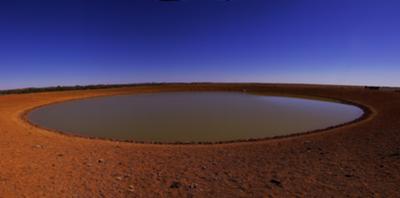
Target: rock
119,178
38,146
175,184
395,154
276,182
193,186
131,188
100,161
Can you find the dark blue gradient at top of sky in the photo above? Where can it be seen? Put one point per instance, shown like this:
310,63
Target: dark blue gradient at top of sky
68,42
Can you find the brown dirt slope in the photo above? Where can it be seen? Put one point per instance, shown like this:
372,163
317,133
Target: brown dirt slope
360,159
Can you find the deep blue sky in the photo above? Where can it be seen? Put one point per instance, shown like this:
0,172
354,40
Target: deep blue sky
68,42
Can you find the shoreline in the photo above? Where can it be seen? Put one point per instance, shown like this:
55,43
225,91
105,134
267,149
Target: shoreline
367,114
357,159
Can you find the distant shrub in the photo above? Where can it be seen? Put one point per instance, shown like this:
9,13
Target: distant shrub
372,87
70,88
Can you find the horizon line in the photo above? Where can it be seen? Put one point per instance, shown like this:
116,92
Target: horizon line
193,82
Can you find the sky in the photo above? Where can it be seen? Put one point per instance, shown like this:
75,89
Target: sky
71,42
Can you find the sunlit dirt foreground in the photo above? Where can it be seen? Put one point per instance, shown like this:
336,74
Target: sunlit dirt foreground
358,159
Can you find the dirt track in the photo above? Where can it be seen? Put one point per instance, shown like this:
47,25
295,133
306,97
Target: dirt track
360,159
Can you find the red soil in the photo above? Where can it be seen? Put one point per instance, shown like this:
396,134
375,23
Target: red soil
359,159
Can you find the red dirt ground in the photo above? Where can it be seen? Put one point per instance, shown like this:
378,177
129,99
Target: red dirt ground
360,159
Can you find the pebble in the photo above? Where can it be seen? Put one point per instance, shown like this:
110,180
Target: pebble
276,182
131,188
175,184
193,185
395,154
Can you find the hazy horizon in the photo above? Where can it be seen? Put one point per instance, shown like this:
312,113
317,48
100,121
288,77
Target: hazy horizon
76,42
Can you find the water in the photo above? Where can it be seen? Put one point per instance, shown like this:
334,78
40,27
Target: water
192,116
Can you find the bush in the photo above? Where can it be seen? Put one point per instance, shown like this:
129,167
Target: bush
70,88
372,87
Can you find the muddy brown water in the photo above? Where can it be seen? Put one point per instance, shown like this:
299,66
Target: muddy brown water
192,116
